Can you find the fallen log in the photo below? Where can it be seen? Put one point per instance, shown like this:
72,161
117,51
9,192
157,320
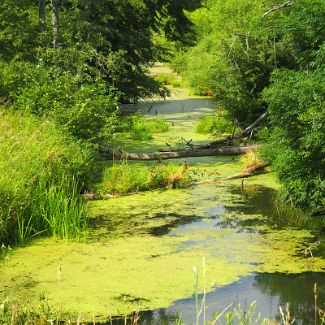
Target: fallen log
247,172
246,133
199,152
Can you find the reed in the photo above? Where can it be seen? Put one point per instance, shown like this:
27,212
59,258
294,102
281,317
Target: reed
41,176
123,177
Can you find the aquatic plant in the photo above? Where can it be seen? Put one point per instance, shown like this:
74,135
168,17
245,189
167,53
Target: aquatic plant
169,79
124,177
142,129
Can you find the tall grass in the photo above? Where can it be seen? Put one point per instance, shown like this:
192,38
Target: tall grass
124,177
41,175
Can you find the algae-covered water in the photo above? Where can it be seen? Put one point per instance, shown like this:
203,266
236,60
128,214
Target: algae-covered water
141,249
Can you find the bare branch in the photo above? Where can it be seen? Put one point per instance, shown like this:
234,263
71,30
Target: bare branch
278,7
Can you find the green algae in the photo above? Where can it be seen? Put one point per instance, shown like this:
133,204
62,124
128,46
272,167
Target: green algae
142,249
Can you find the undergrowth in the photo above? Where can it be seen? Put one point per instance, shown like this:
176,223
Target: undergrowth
123,177
41,175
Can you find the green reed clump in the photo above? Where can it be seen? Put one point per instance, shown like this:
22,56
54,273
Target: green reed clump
124,177
141,129
219,123
41,176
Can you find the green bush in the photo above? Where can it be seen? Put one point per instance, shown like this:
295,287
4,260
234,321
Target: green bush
41,175
218,123
80,105
296,144
169,80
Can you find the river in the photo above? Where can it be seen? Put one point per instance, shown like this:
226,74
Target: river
141,249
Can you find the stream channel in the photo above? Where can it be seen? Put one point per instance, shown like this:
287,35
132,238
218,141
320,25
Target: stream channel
141,249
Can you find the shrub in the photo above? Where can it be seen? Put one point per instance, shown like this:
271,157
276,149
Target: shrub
80,105
296,143
41,176
169,80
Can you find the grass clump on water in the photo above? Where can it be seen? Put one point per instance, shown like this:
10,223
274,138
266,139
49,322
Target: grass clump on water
141,129
41,176
124,177
219,123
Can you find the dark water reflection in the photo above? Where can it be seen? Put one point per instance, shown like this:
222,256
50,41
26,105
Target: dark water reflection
269,290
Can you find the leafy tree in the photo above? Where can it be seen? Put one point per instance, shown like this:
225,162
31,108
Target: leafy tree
73,59
297,142
255,56
296,100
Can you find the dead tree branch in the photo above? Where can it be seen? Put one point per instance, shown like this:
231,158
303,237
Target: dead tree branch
279,6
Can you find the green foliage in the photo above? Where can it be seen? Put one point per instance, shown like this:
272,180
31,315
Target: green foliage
123,177
77,102
297,141
119,32
230,61
252,62
219,123
42,173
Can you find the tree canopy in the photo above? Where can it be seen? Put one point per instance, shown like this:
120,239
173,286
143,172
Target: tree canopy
73,59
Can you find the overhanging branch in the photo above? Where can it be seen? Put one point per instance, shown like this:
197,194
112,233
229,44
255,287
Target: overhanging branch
279,6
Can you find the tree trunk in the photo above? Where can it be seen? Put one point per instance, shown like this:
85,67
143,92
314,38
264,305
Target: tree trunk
222,151
41,15
249,171
55,20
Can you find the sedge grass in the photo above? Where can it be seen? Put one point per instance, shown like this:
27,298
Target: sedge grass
41,176
123,177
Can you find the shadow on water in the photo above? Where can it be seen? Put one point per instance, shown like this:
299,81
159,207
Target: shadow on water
133,225
265,207
178,221
269,290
